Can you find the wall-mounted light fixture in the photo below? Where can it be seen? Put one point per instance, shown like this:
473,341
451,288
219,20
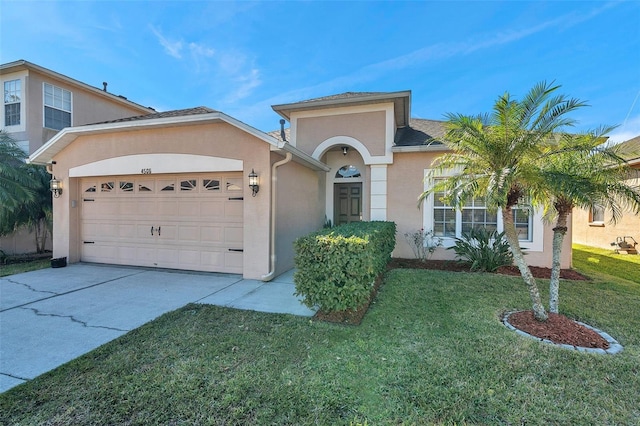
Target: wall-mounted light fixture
56,187
345,149
253,183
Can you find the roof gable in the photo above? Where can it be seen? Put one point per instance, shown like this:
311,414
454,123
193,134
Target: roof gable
401,101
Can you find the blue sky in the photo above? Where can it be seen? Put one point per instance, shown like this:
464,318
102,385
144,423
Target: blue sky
243,57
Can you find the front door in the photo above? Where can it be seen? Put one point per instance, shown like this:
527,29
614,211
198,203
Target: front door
347,203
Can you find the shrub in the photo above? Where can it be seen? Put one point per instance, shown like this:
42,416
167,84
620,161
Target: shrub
423,243
337,267
485,250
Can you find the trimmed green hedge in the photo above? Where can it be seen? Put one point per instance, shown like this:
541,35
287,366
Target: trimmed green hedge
337,267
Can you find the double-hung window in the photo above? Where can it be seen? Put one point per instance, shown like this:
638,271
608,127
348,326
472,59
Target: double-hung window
57,107
12,101
449,223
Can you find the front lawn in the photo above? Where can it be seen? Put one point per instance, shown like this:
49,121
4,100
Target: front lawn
18,268
597,262
431,350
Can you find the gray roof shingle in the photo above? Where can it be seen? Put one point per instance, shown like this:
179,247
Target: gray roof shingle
166,114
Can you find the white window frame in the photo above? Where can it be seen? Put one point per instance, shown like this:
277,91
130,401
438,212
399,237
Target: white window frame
592,210
45,105
5,102
536,228
23,106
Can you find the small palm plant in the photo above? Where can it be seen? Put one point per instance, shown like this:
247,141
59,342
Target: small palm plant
485,250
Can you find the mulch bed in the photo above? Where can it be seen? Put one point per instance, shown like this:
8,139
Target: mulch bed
456,266
558,329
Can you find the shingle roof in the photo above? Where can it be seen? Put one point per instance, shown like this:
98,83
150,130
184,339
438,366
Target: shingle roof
345,95
166,114
420,132
630,150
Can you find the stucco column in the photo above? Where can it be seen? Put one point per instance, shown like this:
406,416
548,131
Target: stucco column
378,205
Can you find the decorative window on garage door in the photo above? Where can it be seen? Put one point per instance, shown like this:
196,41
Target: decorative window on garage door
188,185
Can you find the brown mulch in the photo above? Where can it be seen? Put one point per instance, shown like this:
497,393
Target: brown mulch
455,266
558,329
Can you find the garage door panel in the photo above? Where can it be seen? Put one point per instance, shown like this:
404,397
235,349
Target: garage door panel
193,228
233,210
212,209
145,208
233,235
190,234
189,209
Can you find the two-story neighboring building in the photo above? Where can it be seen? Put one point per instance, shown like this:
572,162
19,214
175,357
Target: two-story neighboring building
197,189
38,103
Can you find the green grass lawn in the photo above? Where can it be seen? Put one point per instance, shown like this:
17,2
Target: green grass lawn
431,350
597,262
16,268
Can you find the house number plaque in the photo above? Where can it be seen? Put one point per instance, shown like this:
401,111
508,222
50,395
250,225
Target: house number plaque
145,171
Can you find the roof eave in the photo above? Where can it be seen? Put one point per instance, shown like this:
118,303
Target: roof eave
420,148
69,80
285,110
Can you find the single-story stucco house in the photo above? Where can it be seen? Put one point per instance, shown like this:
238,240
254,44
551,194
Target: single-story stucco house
172,189
594,227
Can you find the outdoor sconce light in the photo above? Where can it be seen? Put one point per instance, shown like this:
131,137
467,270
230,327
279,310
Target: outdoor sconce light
345,149
56,187
253,183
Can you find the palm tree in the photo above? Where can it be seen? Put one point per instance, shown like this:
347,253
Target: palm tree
495,156
15,181
583,172
36,213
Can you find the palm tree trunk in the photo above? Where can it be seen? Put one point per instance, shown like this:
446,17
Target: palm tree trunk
554,284
518,257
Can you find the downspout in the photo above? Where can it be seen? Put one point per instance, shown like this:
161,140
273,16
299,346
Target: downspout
272,231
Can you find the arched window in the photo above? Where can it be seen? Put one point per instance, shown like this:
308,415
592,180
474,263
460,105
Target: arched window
348,172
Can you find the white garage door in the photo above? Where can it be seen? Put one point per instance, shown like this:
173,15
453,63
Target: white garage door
191,222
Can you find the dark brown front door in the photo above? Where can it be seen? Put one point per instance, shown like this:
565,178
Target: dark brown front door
347,203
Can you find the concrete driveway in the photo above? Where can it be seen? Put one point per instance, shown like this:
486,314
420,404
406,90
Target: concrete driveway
51,316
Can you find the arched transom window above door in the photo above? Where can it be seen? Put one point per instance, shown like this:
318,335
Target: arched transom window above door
348,171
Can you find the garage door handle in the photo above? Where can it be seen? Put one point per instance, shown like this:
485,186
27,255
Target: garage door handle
159,227
88,242
152,230
240,250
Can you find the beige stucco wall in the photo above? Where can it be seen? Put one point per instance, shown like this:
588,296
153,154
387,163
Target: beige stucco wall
299,208
367,127
603,234
87,107
218,140
21,241
405,183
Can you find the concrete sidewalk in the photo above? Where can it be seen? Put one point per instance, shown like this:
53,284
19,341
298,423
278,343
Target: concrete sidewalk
51,316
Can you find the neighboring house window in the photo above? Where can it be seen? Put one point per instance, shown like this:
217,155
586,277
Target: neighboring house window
12,100
596,214
57,107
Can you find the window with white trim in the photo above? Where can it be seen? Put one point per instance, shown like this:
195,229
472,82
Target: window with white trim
596,214
12,102
449,223
57,107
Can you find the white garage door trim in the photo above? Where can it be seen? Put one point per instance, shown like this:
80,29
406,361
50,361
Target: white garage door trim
188,221
156,164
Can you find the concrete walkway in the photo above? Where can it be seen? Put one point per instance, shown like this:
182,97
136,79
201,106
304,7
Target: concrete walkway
51,316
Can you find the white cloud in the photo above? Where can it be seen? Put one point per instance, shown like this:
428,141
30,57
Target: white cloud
245,85
173,48
627,131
